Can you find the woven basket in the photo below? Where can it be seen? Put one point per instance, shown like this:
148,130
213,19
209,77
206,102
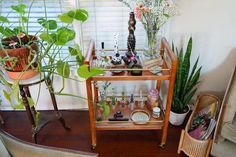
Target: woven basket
189,145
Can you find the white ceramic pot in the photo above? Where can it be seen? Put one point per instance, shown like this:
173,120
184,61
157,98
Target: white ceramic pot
176,118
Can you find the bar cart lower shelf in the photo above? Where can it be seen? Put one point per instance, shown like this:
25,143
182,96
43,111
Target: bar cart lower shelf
168,73
152,124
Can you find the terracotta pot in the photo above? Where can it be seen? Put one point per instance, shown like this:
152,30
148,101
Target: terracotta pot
24,55
177,118
22,75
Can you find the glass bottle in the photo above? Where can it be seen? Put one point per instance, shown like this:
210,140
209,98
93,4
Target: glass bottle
131,102
141,102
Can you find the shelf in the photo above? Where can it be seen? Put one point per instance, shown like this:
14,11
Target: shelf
126,76
153,124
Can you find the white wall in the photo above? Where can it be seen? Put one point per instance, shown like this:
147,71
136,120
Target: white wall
212,23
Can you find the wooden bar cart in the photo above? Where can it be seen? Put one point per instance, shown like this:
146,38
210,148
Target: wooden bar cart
168,74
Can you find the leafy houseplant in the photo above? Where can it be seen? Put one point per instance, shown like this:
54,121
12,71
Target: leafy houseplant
42,51
186,81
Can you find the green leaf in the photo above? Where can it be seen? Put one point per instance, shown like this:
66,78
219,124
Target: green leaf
73,51
78,14
186,66
189,96
167,15
50,38
80,60
63,69
4,19
84,71
48,24
25,19
64,35
7,32
31,101
106,109
19,8
37,117
7,95
65,18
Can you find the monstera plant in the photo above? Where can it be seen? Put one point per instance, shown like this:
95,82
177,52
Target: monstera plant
24,55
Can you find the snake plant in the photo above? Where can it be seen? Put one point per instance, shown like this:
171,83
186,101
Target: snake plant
186,80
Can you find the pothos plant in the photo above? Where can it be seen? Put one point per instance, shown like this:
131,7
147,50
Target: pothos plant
47,57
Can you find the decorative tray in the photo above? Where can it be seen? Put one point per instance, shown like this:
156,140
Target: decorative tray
140,117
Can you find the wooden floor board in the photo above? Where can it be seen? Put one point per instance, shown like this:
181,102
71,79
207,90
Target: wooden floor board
109,143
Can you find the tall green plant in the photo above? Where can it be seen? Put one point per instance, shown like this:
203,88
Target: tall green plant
186,79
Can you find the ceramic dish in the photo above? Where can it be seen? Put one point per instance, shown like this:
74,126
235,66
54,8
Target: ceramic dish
140,117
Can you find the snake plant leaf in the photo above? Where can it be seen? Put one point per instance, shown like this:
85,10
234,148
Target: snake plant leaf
186,63
85,72
178,81
65,18
194,81
4,19
78,14
64,35
19,8
48,24
189,96
63,69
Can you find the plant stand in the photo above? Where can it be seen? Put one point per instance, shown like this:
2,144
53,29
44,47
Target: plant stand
44,118
161,123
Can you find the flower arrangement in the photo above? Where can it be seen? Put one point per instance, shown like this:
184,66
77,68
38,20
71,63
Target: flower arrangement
153,14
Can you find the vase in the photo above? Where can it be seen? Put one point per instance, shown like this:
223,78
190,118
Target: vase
151,49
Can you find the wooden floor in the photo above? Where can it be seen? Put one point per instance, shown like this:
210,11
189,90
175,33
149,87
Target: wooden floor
109,144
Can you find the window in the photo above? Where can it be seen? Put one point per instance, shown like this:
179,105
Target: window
106,18
53,7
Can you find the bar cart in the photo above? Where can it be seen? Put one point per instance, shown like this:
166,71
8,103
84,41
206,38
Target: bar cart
168,72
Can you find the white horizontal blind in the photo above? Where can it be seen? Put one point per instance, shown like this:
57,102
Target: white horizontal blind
53,8
106,18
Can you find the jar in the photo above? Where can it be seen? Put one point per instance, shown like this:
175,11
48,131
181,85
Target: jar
156,112
152,98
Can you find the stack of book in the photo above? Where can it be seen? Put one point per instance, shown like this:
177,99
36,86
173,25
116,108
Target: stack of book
204,122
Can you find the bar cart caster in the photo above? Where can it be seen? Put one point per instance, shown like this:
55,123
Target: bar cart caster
93,146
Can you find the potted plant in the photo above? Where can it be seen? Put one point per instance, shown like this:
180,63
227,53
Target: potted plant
186,82
22,53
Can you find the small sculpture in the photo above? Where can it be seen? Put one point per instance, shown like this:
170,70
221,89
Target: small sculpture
130,59
116,59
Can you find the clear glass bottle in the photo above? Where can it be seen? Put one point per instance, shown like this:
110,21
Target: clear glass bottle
131,102
141,101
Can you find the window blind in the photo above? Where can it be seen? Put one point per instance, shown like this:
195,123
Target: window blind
106,18
53,8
